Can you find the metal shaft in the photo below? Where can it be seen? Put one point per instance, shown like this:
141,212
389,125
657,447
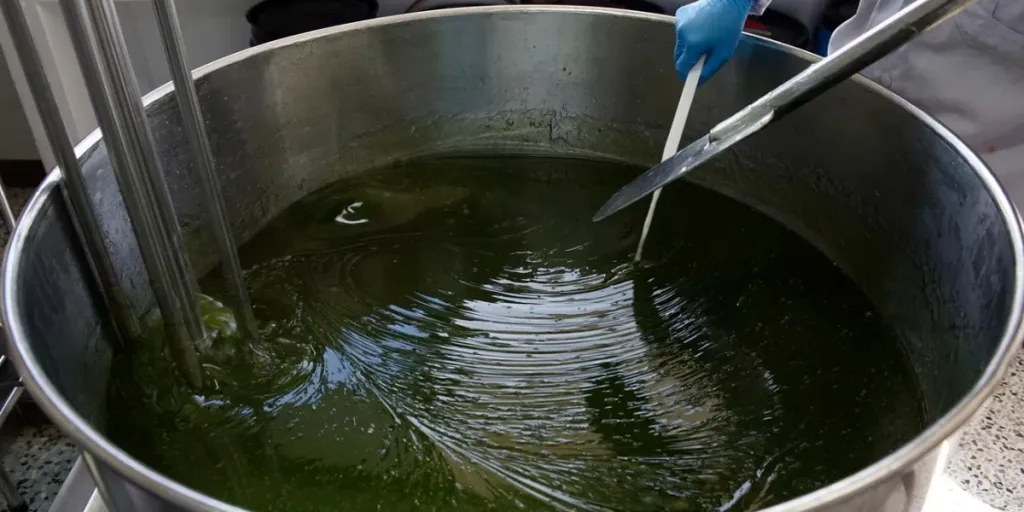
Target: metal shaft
195,130
102,55
103,15
73,186
5,209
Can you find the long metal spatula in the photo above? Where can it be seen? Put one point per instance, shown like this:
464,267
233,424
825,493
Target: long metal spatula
817,78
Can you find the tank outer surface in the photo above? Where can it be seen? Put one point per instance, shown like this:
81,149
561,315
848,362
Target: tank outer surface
901,205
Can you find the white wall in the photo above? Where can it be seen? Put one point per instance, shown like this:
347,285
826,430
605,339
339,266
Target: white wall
212,29
16,142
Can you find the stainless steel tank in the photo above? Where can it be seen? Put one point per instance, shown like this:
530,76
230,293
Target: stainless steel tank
889,194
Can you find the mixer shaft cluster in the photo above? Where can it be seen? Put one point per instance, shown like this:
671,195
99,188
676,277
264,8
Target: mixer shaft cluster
103,57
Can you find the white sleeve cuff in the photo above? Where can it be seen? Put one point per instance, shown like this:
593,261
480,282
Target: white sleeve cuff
758,6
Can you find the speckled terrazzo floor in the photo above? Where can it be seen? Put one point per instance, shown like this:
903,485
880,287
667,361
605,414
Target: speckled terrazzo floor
988,465
989,462
37,456
38,461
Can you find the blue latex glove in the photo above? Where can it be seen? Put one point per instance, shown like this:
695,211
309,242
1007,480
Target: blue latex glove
711,28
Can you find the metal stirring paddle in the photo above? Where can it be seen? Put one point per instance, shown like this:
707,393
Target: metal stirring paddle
805,86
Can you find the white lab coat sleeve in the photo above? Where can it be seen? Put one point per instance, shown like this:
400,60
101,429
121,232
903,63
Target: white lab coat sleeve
869,13
758,6
965,72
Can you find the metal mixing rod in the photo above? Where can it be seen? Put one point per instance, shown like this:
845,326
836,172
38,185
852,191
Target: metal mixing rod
103,57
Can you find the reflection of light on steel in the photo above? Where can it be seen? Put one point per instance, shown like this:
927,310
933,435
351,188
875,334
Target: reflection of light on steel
350,210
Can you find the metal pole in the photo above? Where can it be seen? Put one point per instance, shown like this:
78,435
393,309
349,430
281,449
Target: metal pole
114,55
5,209
188,104
102,56
75,192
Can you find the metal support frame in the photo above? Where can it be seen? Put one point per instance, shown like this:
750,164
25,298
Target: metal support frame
8,489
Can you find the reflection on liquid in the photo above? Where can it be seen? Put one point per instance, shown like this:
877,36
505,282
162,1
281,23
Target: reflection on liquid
478,343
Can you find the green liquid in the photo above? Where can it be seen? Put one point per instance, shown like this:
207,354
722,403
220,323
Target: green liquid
467,339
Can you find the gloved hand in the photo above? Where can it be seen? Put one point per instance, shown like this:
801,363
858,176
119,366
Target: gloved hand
711,28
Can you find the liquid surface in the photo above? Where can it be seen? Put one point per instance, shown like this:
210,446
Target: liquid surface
456,334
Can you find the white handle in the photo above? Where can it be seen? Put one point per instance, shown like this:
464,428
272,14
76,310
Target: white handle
675,133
